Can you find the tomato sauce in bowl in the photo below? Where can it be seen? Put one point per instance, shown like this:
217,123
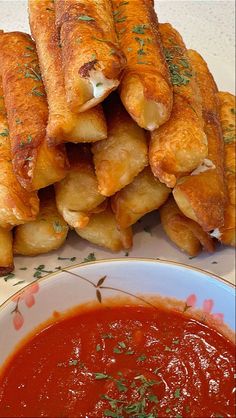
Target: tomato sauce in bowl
124,361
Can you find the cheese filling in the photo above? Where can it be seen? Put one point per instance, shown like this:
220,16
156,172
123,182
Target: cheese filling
204,166
216,233
100,83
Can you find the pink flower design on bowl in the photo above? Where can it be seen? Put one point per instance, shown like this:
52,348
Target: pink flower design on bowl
207,307
27,296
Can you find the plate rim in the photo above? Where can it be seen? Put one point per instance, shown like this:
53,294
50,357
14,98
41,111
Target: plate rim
117,260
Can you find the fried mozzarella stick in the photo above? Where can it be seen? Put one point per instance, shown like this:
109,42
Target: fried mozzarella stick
6,252
226,234
179,146
184,232
34,164
63,125
102,230
145,194
17,205
77,195
92,60
202,195
124,154
145,88
48,232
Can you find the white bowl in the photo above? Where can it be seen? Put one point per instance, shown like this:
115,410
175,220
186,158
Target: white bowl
62,291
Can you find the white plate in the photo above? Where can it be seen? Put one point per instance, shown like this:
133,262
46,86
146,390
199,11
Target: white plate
207,26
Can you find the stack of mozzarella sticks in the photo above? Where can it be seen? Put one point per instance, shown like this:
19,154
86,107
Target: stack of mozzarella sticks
106,116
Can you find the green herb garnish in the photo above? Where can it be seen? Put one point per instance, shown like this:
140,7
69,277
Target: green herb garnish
67,258
58,228
20,282
36,92
73,362
86,18
5,132
177,393
140,29
178,65
89,258
143,357
120,19
101,376
9,277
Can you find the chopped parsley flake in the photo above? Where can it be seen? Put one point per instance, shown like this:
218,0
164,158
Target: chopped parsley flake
36,92
140,29
108,336
117,350
89,258
143,357
58,228
177,393
120,19
101,376
73,362
86,18
9,277
20,282
5,132
178,65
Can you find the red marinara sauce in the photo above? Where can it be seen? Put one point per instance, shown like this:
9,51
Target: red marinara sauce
126,361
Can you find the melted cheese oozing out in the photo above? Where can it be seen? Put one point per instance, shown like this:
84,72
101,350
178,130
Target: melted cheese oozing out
100,83
216,233
205,166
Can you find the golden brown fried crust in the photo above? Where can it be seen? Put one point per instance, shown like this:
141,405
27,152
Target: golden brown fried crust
6,252
89,43
63,125
124,154
227,118
145,194
102,230
146,80
77,195
16,204
202,197
180,145
27,111
48,232
184,232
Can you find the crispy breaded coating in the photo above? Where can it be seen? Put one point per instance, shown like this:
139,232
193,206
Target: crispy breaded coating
17,205
47,233
180,145
202,195
34,164
184,232
6,252
227,118
145,194
77,195
92,60
63,125
103,231
145,89
124,154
